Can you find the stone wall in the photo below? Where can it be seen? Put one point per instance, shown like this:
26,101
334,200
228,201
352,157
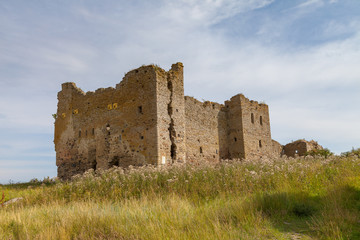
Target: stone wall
112,126
277,148
300,147
171,114
206,131
146,119
249,128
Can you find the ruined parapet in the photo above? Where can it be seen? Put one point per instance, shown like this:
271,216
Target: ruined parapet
300,147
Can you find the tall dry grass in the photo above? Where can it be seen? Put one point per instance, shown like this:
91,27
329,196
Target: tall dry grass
283,198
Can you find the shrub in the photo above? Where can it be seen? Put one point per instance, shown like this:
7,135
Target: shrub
319,152
353,152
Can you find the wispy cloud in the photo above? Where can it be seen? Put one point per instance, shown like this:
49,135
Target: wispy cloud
208,12
310,4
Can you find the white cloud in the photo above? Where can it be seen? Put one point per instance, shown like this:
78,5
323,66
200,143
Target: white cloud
335,28
210,11
310,4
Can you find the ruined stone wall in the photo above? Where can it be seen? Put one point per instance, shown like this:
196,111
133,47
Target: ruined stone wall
256,128
113,126
147,120
249,128
300,147
235,132
171,114
277,148
206,131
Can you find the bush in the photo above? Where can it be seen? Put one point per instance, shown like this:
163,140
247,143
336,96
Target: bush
319,152
353,152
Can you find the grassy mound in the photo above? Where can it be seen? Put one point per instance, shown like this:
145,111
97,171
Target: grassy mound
284,198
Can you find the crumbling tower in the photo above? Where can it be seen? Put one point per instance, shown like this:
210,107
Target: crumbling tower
248,128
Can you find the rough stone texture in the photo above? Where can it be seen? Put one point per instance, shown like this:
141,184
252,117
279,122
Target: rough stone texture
248,128
146,119
113,126
300,147
277,148
206,131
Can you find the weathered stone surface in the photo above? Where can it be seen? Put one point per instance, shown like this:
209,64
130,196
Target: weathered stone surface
300,147
146,119
277,148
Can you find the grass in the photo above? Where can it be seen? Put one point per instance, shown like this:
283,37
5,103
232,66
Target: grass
302,198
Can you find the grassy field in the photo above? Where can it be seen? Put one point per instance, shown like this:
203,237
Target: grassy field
302,198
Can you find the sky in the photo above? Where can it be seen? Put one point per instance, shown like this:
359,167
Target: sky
301,57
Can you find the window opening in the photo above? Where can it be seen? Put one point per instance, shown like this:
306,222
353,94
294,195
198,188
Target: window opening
252,118
115,161
261,120
201,150
260,144
93,131
108,128
140,109
235,139
93,165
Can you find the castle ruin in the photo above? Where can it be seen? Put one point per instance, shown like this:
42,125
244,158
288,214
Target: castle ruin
146,119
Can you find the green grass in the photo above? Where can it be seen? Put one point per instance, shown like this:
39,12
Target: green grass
302,198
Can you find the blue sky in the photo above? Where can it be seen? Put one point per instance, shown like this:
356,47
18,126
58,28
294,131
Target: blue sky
301,57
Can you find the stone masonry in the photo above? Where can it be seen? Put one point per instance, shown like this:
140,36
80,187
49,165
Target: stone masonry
300,147
146,119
